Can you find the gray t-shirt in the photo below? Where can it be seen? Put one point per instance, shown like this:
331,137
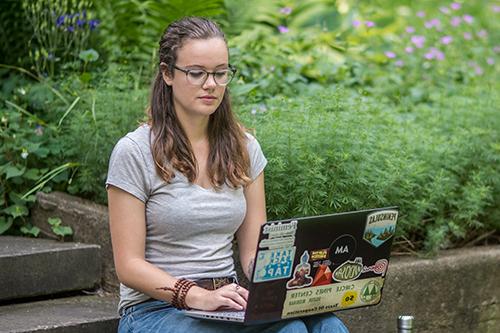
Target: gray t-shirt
189,229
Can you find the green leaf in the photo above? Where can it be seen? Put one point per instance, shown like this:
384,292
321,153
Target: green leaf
32,174
85,77
54,221
89,55
30,230
16,211
11,171
62,230
5,224
243,89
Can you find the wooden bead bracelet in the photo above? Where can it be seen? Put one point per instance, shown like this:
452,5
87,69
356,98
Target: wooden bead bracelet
180,291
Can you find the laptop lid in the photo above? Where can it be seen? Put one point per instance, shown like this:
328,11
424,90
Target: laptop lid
312,265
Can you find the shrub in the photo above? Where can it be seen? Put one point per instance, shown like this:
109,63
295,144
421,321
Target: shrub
30,150
338,152
61,30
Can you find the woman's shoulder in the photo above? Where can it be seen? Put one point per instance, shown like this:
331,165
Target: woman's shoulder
141,135
250,138
251,141
136,141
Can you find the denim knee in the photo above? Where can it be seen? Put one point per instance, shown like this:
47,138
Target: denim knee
326,322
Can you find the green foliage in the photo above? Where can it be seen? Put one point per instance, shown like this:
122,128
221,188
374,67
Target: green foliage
133,28
417,44
339,151
94,126
59,229
29,152
273,63
347,116
61,29
14,33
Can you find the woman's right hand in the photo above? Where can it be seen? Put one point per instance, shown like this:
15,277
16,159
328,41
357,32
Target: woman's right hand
231,296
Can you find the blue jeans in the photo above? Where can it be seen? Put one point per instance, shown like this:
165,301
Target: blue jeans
158,316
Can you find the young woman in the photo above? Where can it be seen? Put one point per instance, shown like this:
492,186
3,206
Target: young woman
179,188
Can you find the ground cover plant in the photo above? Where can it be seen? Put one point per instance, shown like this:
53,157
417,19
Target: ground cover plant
364,107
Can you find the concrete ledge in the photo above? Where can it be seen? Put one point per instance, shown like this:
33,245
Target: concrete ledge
89,222
33,267
459,291
81,314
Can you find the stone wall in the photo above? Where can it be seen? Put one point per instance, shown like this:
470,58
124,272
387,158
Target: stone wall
458,291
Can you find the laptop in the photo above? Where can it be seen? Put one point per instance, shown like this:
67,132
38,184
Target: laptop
311,265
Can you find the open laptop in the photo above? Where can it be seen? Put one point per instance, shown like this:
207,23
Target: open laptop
317,264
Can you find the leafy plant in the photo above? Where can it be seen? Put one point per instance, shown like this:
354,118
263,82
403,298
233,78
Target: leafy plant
59,229
133,28
336,150
29,152
61,29
14,34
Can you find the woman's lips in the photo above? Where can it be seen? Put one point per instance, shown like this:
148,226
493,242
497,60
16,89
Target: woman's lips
208,99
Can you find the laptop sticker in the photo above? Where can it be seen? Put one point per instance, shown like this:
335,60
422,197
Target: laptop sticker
301,276
370,292
380,267
274,264
342,249
349,270
380,226
323,276
312,300
280,235
349,298
319,254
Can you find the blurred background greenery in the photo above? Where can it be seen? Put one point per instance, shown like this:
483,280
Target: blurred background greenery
365,103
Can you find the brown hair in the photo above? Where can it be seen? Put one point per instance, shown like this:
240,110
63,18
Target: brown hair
228,160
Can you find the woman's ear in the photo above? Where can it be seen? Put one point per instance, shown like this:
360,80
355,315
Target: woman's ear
164,74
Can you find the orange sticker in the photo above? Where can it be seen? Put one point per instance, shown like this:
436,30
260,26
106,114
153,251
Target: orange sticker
319,254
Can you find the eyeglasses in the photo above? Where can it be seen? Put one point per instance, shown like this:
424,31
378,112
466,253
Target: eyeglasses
198,77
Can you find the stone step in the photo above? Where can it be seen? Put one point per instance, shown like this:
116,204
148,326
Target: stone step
79,314
32,267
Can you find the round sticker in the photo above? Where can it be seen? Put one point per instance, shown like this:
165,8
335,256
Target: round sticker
349,298
370,292
342,249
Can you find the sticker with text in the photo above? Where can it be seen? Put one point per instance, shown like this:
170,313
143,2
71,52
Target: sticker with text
349,270
342,249
331,297
380,226
349,298
380,267
274,264
279,235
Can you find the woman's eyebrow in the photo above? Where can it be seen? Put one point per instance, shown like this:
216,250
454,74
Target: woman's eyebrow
201,66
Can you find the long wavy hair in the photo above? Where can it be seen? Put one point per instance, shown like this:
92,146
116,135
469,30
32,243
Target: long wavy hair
228,160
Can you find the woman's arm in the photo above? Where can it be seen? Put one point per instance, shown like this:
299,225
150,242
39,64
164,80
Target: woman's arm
248,232
127,219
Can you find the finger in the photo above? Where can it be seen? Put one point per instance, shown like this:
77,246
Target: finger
232,293
235,296
243,292
232,304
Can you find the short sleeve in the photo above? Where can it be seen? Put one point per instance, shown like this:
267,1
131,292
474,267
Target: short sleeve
127,169
257,159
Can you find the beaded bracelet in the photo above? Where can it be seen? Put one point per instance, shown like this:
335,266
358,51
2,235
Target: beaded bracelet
180,291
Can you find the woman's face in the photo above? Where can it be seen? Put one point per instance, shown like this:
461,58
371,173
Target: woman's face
198,100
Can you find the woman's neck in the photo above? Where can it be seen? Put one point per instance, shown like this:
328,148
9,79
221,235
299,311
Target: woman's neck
196,128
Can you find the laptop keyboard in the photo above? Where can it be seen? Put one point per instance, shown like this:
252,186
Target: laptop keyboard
229,314
219,315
